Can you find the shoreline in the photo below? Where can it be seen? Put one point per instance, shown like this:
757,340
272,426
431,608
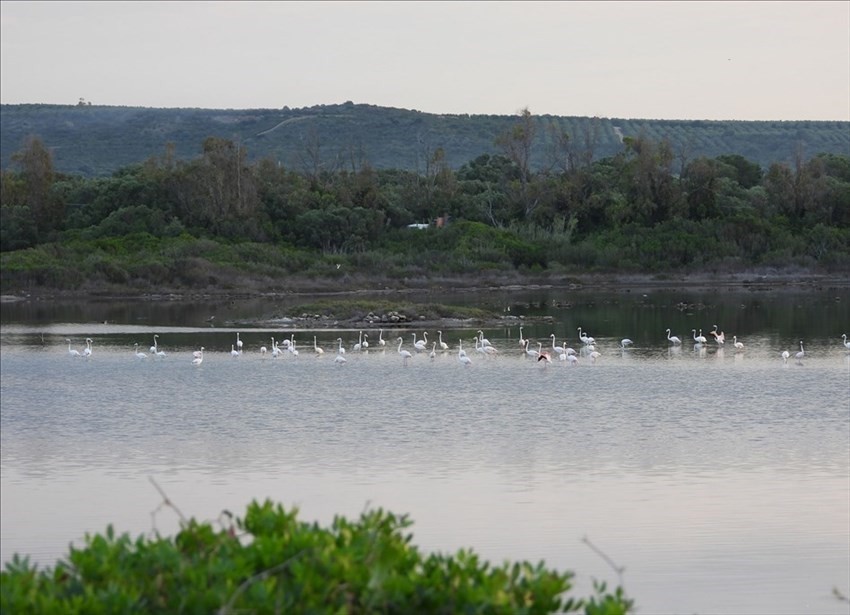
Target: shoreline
358,285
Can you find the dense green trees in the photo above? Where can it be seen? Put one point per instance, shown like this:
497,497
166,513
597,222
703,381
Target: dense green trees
647,208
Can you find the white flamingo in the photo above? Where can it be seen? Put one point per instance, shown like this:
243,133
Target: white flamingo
585,339
738,345
531,353
846,343
673,339
433,353
233,351
785,355
73,351
420,344
484,340
405,354
87,351
139,354
238,342
444,346
594,355
154,348
359,344
699,339
381,341
522,341
316,348
559,350
572,359
365,341
341,349
625,342
275,349
339,359
461,355
799,356
263,351
198,356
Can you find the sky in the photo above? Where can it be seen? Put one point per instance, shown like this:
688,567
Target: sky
632,60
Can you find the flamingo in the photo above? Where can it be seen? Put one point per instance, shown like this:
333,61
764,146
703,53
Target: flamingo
316,348
461,352
595,355
421,344
799,356
238,342
154,347
478,347
573,359
463,359
233,352
444,346
340,350
198,356
531,353
846,343
139,353
544,356
87,351
433,353
72,351
339,359
738,345
263,350
585,339
381,341
275,350
359,343
486,346
699,339
291,346
365,342
719,337
673,339
522,342
558,349
405,354
625,342
785,355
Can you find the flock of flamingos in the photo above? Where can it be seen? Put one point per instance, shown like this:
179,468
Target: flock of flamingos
482,347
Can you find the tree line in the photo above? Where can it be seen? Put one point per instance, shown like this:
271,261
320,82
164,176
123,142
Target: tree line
649,206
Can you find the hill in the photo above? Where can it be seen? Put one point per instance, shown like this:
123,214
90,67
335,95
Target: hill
93,140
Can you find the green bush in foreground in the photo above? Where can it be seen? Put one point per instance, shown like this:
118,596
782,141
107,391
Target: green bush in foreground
269,562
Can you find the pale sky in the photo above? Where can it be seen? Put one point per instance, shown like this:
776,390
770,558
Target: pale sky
651,60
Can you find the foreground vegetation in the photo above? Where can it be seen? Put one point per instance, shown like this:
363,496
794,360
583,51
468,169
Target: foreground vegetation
269,562
221,223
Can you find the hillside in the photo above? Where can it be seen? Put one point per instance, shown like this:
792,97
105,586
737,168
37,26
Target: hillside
92,140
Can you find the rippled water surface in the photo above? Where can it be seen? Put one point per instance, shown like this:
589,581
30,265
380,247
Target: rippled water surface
720,479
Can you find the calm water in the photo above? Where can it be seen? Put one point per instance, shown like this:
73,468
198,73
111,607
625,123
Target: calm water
719,479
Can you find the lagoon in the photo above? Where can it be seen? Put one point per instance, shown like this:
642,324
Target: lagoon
719,479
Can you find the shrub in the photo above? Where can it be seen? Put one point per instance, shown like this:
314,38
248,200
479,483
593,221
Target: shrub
271,562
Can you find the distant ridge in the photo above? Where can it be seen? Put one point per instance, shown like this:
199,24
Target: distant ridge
93,140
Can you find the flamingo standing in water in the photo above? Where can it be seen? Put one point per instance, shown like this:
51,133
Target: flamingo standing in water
405,354
139,354
238,342
316,348
73,351
461,356
846,343
785,355
585,339
87,351
699,339
673,339
799,356
381,341
198,356
738,345
444,346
